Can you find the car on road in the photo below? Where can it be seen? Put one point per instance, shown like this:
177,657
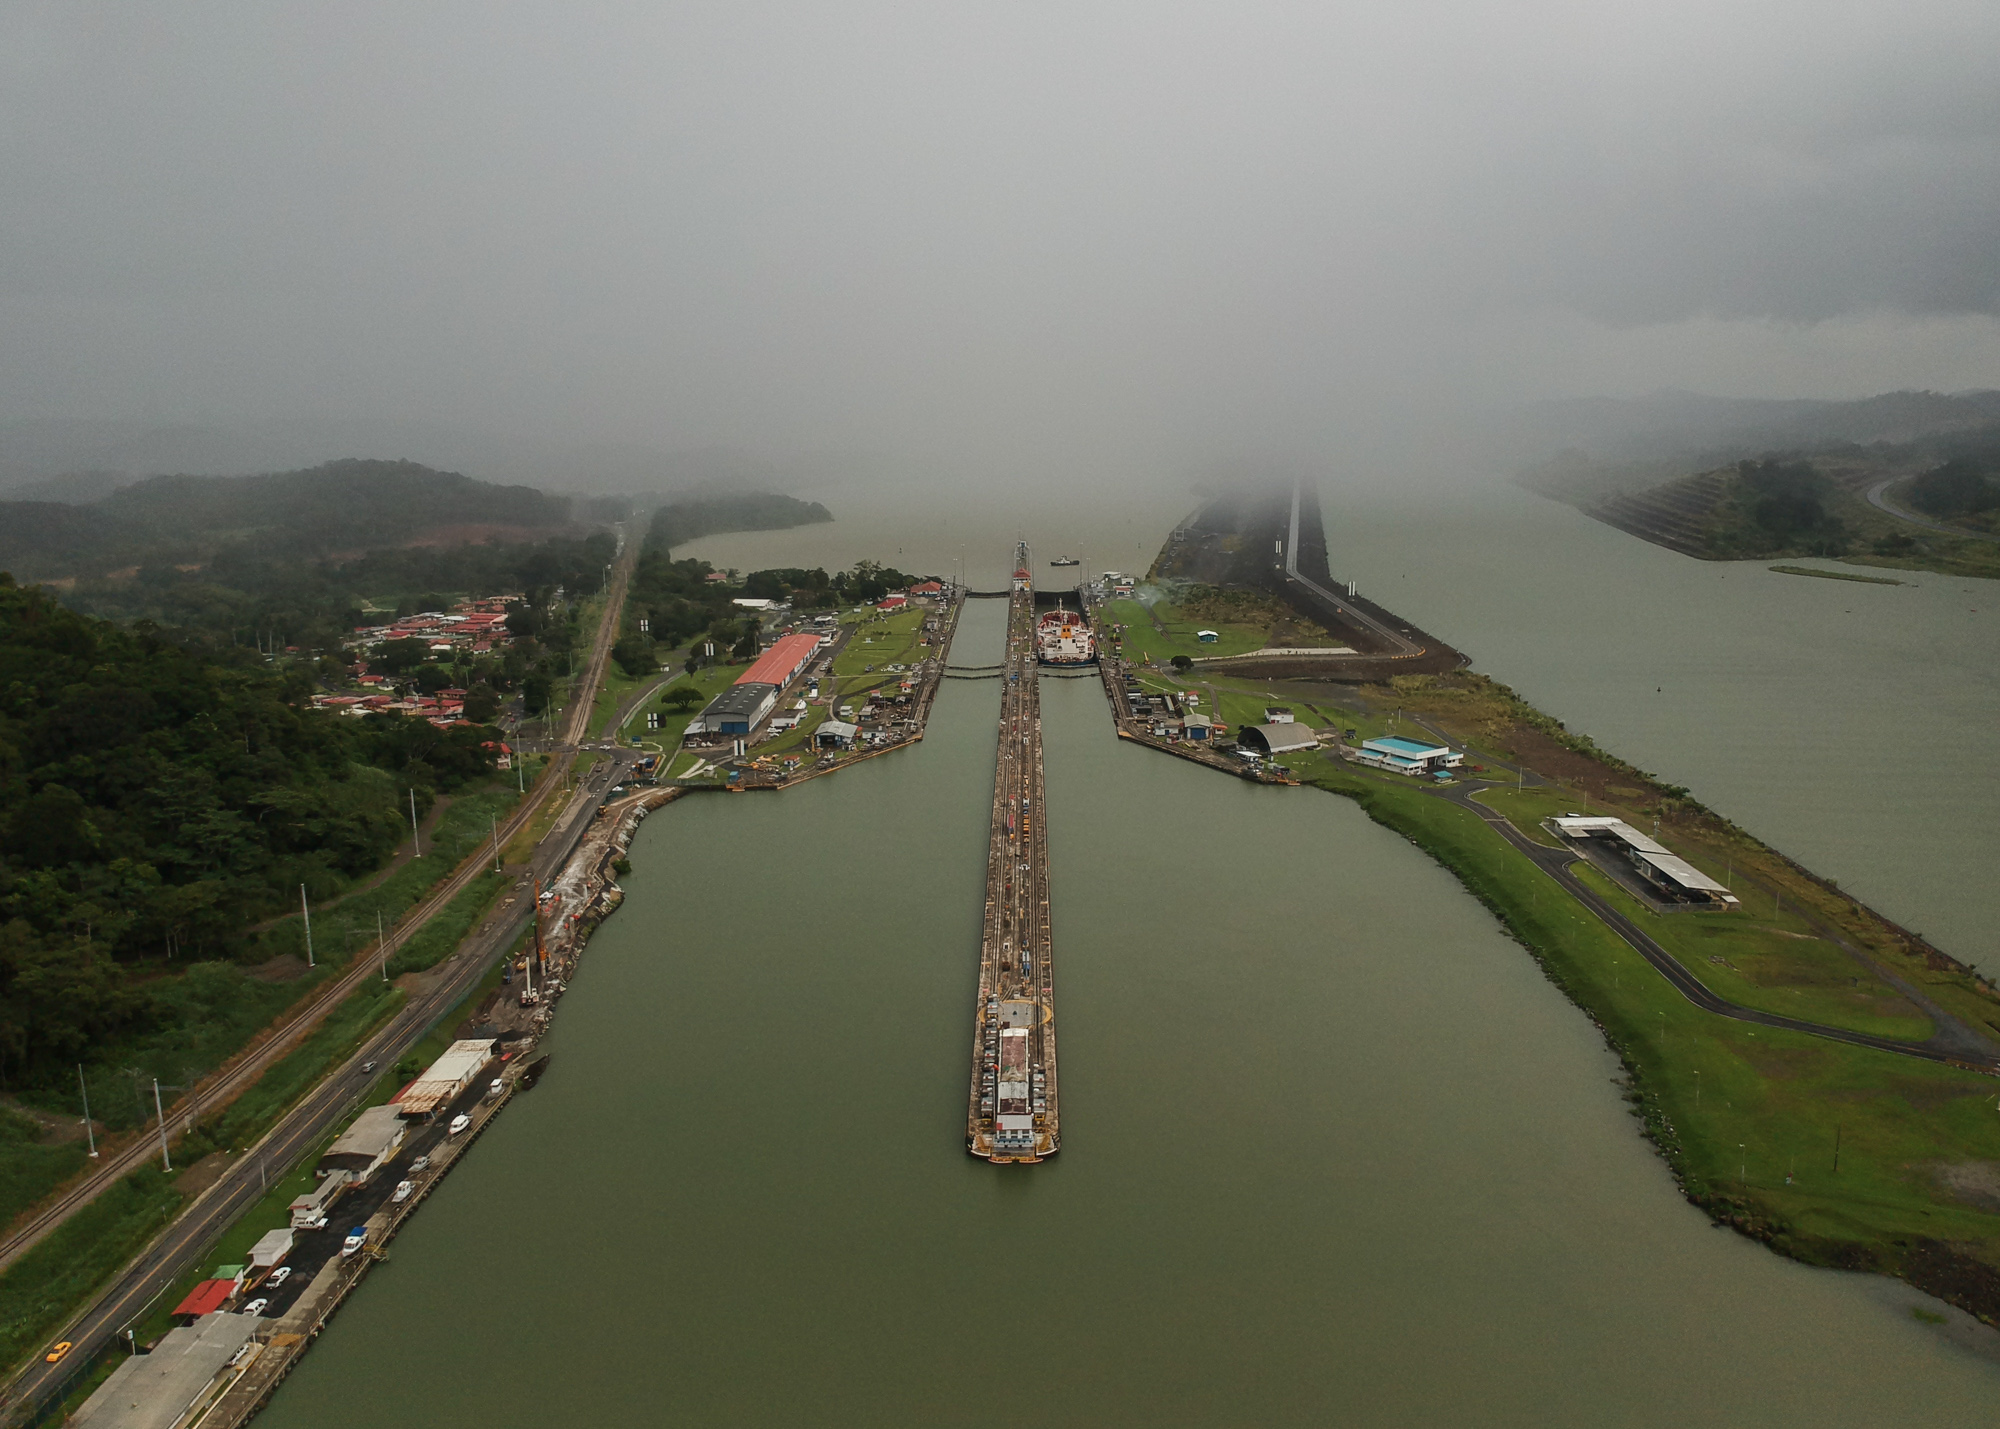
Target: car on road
57,1351
369,1066
402,1192
278,1277
458,1124
356,1238
257,1306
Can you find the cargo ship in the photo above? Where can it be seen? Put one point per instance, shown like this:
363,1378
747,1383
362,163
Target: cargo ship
1062,637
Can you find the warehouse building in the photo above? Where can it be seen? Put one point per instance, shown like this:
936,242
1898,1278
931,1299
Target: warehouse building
166,1389
445,1078
737,710
1408,756
361,1150
1655,862
745,705
1276,738
836,734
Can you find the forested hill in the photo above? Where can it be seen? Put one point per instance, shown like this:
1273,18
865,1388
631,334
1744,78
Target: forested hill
343,506
158,799
695,517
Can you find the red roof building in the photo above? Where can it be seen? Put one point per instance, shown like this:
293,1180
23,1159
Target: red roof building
927,588
206,1297
780,665
892,602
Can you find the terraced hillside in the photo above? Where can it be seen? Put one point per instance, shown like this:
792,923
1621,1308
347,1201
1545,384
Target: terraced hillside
1678,514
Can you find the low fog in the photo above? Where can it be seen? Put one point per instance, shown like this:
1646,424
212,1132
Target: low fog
1076,242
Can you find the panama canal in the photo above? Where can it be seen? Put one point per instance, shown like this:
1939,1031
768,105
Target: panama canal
1335,1149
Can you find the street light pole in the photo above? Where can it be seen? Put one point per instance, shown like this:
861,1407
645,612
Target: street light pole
160,1112
305,910
84,1087
416,837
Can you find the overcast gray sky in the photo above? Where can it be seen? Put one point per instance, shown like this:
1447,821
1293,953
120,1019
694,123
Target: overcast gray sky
1071,236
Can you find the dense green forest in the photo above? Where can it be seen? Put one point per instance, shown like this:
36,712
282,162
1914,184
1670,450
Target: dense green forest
343,506
161,796
1779,508
246,596
687,520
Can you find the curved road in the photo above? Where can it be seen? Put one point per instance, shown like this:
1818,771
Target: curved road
1555,862
1879,499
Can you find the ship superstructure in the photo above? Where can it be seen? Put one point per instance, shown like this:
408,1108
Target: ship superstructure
1062,637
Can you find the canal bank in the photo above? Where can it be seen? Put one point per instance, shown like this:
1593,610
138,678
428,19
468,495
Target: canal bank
1336,1152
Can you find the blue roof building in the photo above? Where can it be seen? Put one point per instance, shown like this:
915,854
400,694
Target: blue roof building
1408,756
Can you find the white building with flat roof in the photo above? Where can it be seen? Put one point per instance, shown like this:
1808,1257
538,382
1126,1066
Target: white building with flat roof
1656,863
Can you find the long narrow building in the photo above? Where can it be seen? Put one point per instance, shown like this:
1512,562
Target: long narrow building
1011,1112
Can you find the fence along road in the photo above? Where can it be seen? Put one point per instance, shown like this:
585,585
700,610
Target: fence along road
192,1230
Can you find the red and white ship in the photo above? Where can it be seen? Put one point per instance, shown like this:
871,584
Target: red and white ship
1062,637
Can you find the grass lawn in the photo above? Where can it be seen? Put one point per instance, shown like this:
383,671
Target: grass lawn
45,1287
1144,642
272,1212
1738,1110
1775,967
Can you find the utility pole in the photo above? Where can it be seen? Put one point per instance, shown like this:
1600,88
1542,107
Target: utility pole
305,910
83,1087
381,945
159,1111
416,840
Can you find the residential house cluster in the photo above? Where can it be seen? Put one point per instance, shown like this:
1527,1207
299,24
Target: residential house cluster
472,626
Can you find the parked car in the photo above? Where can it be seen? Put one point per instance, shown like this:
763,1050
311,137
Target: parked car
316,1225
402,1193
257,1306
458,1124
57,1351
356,1238
422,1163
279,1277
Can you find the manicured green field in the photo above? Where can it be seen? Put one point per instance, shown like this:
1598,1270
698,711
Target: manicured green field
1143,641
1749,1116
1772,965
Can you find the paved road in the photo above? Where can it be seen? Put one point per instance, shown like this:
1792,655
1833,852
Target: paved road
190,1235
1402,643
1556,863
1878,497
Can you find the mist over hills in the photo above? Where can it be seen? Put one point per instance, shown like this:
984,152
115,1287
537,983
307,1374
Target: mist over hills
86,460
1676,427
341,506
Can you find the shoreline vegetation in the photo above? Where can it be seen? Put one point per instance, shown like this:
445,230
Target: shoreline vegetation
1832,1154
1835,575
256,988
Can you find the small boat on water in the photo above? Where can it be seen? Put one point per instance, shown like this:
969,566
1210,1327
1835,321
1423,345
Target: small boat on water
1065,561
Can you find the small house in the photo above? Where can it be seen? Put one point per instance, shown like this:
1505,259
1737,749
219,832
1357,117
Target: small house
1207,637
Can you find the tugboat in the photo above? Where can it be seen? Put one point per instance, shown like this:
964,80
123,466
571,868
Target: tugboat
1065,561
